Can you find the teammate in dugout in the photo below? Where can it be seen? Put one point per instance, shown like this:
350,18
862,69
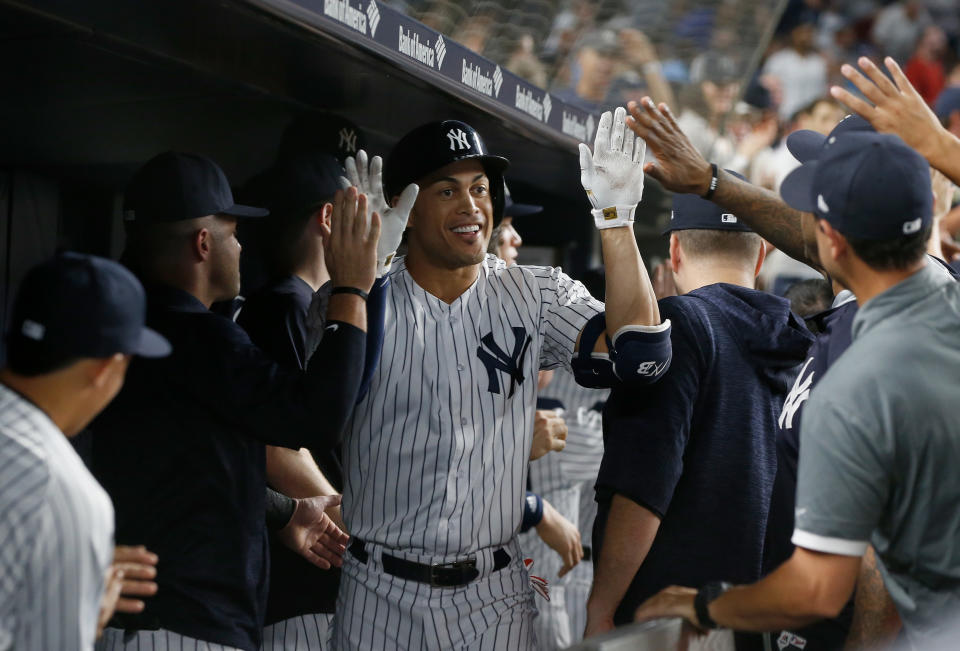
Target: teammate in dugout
435,456
77,321
286,319
181,449
689,463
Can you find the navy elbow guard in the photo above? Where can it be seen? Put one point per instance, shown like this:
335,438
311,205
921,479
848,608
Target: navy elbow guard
590,369
532,512
641,354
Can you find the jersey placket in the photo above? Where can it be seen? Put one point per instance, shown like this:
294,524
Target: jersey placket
457,424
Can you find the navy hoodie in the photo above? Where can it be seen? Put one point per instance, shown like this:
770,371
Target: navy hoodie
698,448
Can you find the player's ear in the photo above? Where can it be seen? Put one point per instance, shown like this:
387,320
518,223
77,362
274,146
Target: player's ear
201,243
761,256
675,252
101,371
836,243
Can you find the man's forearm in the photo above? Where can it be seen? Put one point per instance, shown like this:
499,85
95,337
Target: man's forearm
808,587
945,156
295,473
769,216
629,293
875,619
629,533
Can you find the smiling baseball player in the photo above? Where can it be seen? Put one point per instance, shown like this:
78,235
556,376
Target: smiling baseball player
436,455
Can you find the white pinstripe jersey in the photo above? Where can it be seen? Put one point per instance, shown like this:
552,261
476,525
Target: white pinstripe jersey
579,462
435,457
56,535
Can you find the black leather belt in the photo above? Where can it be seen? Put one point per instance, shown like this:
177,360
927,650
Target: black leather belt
443,575
587,553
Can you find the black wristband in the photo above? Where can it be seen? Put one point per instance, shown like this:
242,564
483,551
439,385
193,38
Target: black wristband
713,181
343,289
701,603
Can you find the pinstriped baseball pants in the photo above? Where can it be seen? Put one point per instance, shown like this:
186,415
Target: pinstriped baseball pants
115,639
304,633
376,610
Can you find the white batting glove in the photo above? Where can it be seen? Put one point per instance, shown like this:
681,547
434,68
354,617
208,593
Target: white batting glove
613,175
393,221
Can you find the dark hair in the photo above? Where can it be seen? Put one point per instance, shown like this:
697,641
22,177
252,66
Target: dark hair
30,358
738,245
890,255
807,297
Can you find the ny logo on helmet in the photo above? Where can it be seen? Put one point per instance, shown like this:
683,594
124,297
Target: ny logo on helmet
458,139
348,140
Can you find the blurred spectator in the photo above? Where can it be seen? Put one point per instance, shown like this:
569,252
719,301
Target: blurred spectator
773,164
707,103
947,109
797,73
898,28
523,62
925,67
595,63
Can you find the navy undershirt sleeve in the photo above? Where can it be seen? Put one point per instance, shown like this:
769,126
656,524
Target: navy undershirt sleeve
376,310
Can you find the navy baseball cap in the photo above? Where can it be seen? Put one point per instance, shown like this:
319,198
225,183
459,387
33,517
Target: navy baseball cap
806,144
692,212
296,184
514,209
947,102
869,186
321,132
83,306
173,186
435,145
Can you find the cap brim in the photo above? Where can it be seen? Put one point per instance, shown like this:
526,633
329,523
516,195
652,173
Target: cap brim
152,344
245,212
498,163
521,210
797,187
805,145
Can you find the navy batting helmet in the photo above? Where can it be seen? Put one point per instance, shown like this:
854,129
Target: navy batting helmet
437,144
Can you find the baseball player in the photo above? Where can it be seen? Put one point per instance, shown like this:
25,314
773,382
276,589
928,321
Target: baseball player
689,463
77,320
181,449
286,319
436,455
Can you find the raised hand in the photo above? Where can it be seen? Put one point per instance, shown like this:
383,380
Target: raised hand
679,166
350,247
894,106
367,178
613,174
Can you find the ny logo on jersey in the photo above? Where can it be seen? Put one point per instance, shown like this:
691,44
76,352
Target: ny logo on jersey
458,139
494,359
797,396
348,140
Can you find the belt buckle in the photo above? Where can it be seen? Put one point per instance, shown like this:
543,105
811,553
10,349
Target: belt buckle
467,569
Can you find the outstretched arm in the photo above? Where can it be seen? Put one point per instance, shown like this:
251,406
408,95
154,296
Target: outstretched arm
613,178
681,168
